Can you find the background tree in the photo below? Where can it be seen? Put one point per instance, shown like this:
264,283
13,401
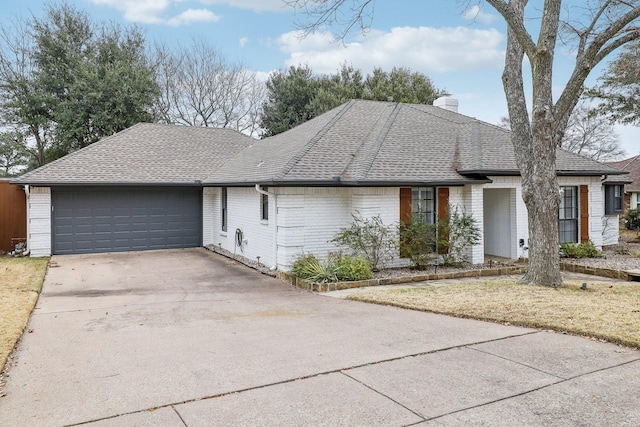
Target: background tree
297,95
13,158
289,97
591,135
200,88
592,31
587,134
66,82
22,106
619,90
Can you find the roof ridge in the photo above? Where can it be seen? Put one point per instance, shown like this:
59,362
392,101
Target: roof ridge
631,161
415,107
367,164
313,141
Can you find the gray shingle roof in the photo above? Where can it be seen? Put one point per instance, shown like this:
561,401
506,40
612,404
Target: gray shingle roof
369,142
357,143
145,154
631,165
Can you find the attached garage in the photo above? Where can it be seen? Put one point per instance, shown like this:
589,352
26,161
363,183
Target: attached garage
115,219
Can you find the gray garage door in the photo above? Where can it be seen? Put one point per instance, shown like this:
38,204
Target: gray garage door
95,219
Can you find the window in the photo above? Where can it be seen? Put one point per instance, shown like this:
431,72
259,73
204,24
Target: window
423,204
223,208
613,199
264,205
568,215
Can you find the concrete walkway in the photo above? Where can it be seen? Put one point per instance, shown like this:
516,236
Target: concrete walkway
187,338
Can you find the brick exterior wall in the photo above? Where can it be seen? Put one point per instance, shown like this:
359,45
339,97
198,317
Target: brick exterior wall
39,221
243,213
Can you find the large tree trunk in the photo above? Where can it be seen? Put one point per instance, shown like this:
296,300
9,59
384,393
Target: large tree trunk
541,195
534,145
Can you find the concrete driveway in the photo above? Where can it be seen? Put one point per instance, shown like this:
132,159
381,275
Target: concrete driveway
189,338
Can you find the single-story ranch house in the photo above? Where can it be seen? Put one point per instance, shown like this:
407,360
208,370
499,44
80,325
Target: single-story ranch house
158,186
632,187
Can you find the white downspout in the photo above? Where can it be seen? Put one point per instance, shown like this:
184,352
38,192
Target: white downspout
26,192
274,196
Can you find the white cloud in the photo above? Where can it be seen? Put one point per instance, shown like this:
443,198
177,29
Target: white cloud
193,15
144,11
243,41
423,49
255,5
153,11
474,13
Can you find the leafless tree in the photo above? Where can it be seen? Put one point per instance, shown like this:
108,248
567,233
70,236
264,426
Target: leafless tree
592,30
199,87
587,134
591,135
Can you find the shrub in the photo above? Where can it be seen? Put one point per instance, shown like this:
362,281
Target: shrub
369,237
309,268
336,267
351,268
632,219
456,233
418,242
580,250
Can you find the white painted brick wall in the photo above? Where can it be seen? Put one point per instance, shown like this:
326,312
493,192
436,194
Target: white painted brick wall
243,212
308,218
39,218
473,203
210,215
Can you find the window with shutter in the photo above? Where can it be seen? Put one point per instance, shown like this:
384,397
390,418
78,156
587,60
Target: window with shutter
613,199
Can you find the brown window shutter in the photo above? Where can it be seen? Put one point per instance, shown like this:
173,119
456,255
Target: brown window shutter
443,203
405,205
584,213
405,213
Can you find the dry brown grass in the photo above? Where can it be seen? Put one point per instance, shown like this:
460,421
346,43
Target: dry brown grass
20,283
608,311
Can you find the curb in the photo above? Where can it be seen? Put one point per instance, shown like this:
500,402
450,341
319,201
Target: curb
337,286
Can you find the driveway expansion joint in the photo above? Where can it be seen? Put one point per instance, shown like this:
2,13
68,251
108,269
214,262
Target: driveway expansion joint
417,414
319,374
524,393
179,416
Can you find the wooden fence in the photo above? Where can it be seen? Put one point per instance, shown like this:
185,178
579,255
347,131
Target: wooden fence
13,215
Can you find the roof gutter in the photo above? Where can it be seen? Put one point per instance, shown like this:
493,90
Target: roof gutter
196,183
349,183
515,172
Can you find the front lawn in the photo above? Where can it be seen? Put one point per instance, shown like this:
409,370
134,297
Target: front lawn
20,283
608,311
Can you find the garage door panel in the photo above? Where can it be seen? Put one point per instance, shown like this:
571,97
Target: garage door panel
102,219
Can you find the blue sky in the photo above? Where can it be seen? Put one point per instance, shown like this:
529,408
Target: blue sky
461,50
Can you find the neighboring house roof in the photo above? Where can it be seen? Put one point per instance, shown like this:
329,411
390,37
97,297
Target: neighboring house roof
150,154
631,165
358,143
384,143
